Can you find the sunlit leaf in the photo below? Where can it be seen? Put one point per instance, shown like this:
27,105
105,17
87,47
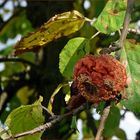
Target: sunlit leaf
73,51
25,118
112,16
60,25
130,58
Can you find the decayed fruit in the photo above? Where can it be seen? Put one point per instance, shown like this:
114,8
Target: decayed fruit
77,99
99,78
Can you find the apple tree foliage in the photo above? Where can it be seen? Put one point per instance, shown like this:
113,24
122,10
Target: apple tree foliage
37,69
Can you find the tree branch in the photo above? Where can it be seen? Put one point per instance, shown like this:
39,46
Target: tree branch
126,21
125,25
17,60
102,122
95,35
47,110
48,124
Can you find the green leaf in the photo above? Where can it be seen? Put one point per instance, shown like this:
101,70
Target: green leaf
16,67
137,115
119,133
73,51
25,118
112,121
74,123
17,25
14,103
112,17
11,68
130,58
6,51
58,26
100,107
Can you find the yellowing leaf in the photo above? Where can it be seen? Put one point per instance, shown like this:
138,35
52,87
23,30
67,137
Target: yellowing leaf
24,93
54,93
60,25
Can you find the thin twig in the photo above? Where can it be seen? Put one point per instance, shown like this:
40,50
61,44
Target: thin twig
3,98
95,35
102,123
126,21
17,60
51,113
48,125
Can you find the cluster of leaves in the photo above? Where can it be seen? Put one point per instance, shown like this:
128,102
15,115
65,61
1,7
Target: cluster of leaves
109,21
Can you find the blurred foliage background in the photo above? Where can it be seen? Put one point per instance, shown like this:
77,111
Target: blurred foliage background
24,78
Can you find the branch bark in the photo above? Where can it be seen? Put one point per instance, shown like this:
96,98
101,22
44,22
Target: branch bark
102,123
48,125
125,25
17,60
126,21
